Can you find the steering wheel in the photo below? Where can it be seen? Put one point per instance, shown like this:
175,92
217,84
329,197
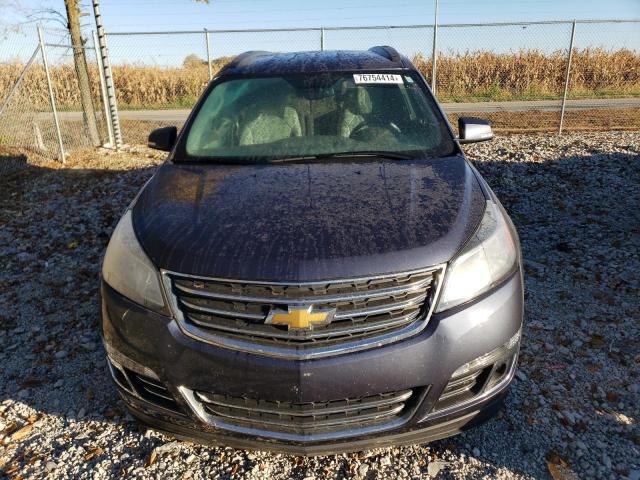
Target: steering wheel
364,126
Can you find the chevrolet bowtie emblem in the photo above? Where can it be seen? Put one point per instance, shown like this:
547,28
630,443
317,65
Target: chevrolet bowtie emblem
300,318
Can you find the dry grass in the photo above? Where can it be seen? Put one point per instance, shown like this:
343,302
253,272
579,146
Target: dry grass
532,74
471,76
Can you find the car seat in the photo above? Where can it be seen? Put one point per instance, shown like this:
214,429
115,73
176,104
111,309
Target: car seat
357,104
273,120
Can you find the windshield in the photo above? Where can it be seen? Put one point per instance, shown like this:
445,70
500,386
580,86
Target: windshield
317,115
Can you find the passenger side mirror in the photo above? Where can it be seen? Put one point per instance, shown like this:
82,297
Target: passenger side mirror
471,130
163,138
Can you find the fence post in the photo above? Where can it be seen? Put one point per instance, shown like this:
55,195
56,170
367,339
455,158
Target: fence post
434,53
108,77
206,36
103,90
566,78
322,39
51,96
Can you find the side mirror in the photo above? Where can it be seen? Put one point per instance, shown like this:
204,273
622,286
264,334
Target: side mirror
163,138
471,130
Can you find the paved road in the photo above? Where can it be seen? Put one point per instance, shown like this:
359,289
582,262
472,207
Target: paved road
179,115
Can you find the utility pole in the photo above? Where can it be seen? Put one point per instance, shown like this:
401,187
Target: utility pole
82,71
108,76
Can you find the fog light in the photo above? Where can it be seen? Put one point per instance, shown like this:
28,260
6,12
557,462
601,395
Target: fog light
489,358
122,360
478,377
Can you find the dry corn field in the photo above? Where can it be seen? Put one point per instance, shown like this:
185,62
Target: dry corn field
471,76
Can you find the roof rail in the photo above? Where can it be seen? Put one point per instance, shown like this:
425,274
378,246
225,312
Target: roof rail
246,58
387,52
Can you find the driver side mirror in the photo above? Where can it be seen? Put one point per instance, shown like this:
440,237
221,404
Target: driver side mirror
163,138
471,130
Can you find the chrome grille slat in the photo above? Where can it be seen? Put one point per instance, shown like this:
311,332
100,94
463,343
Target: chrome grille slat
457,391
339,316
158,393
304,410
339,420
467,378
384,309
311,334
217,311
307,418
150,382
307,301
311,283
369,311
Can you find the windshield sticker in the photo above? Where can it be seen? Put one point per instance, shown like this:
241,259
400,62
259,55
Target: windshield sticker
360,78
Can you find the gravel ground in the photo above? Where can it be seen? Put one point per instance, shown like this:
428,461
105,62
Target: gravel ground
572,411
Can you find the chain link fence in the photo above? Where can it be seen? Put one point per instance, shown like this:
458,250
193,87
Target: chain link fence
41,108
523,77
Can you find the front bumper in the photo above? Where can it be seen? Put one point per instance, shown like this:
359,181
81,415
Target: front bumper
141,341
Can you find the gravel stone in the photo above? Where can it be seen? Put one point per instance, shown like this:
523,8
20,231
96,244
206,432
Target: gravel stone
434,468
574,200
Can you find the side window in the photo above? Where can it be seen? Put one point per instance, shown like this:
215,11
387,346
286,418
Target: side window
216,124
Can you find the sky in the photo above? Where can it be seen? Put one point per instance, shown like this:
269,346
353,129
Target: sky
165,15
240,14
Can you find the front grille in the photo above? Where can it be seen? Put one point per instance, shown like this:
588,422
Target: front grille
310,418
364,308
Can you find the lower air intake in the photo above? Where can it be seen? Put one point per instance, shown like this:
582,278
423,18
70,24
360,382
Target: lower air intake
310,418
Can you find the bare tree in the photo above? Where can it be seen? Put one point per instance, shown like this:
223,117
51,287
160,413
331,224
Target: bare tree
82,71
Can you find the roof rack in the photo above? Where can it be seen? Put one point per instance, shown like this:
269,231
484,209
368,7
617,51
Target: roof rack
387,52
246,58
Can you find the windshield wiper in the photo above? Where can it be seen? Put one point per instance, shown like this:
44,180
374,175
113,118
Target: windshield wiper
361,154
375,153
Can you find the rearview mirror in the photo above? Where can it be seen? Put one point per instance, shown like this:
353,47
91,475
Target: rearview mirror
471,130
163,138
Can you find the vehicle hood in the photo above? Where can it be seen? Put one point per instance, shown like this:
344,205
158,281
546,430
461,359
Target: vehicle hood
315,221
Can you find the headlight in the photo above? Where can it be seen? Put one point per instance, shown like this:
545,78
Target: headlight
127,269
487,259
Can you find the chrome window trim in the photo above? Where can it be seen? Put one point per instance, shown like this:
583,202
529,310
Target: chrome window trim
199,410
306,353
